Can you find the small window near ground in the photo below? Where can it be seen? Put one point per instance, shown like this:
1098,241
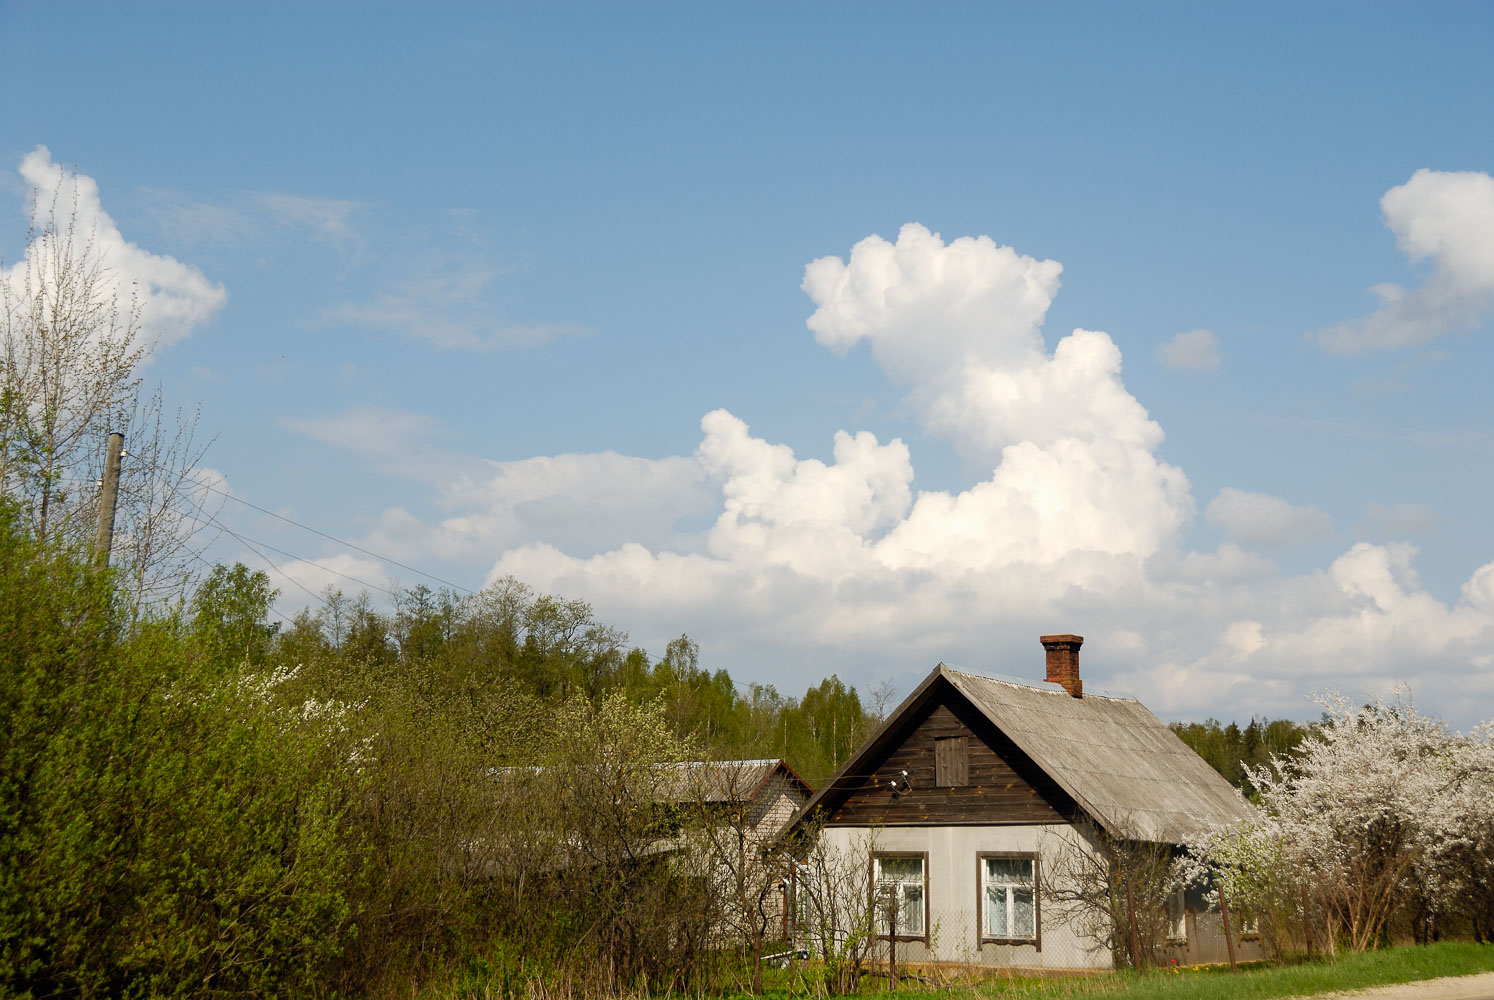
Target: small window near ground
1177,917
952,761
1010,898
900,894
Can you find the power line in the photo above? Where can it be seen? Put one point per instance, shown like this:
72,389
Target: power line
248,542
334,538
251,542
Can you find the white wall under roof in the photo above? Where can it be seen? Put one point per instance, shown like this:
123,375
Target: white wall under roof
954,886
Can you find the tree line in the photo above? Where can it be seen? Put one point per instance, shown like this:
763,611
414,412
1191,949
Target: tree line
1234,751
196,802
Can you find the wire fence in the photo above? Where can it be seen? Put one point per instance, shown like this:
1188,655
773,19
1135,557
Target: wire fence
957,938
954,941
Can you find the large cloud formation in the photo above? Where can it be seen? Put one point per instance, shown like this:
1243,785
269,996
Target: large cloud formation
1447,219
1078,525
174,298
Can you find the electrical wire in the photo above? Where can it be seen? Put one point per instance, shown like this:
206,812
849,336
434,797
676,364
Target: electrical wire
339,541
251,542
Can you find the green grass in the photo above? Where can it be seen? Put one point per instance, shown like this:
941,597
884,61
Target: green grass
1345,972
1211,982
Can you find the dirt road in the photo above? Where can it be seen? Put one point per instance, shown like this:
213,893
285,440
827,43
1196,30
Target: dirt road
1476,987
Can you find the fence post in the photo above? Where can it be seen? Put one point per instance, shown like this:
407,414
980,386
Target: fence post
892,940
1229,935
1136,961
1307,922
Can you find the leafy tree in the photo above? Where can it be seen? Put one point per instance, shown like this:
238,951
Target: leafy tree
165,828
70,356
1233,752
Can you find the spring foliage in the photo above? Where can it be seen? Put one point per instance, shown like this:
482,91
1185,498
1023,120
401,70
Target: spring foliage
1382,816
200,803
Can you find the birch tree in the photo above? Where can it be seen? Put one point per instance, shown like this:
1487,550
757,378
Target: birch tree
67,372
72,346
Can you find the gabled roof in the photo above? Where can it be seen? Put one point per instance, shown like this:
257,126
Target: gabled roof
725,780
700,780
1117,760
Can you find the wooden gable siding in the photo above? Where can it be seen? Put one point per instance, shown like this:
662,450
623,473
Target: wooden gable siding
1004,787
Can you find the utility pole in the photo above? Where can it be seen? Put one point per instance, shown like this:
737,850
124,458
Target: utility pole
108,500
1136,962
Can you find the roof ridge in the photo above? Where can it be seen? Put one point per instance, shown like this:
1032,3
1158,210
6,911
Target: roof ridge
1027,683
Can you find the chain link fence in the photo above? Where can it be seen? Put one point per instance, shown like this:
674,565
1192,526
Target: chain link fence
966,942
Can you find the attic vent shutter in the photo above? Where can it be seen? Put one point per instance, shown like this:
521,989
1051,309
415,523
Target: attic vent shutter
951,761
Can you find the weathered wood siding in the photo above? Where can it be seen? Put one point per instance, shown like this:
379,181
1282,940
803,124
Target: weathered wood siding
1004,786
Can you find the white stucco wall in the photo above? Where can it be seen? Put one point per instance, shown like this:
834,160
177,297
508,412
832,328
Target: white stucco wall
954,886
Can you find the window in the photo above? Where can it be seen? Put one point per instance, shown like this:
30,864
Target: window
951,761
1250,927
1177,917
1009,898
900,894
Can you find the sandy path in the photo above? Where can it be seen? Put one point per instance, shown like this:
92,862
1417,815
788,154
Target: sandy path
1476,987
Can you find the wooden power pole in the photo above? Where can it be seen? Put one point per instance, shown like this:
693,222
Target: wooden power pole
1229,936
1136,962
108,500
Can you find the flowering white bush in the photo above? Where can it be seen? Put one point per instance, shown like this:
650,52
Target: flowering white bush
1380,811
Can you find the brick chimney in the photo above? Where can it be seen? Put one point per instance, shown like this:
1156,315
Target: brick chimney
1063,661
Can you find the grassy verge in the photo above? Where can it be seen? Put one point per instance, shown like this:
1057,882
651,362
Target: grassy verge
1258,982
1346,972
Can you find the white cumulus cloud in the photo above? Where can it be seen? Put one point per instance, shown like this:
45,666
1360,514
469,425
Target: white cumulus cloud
1444,218
301,582
175,298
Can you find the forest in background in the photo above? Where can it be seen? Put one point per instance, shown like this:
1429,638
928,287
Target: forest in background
1233,751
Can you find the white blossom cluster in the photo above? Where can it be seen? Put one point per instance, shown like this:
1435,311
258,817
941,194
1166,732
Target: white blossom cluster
328,718
1382,814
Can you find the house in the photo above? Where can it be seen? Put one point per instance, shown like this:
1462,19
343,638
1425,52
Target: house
757,797
763,794
980,803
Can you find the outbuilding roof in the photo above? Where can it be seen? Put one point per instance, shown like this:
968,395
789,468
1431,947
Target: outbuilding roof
1117,760
724,780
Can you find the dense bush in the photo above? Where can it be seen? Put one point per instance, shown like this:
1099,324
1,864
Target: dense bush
201,804
160,834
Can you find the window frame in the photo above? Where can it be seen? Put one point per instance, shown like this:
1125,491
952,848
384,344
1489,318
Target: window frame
1181,924
878,928
980,899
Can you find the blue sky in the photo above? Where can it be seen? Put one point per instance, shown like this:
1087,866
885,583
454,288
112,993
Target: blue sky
472,277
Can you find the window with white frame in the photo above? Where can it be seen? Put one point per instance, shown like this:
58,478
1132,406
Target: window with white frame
1177,916
900,894
1009,898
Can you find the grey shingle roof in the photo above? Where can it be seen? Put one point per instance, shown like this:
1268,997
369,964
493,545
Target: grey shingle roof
1119,761
722,780
1115,759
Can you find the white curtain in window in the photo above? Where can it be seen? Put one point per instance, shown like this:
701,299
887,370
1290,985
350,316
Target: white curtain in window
1010,907
902,880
